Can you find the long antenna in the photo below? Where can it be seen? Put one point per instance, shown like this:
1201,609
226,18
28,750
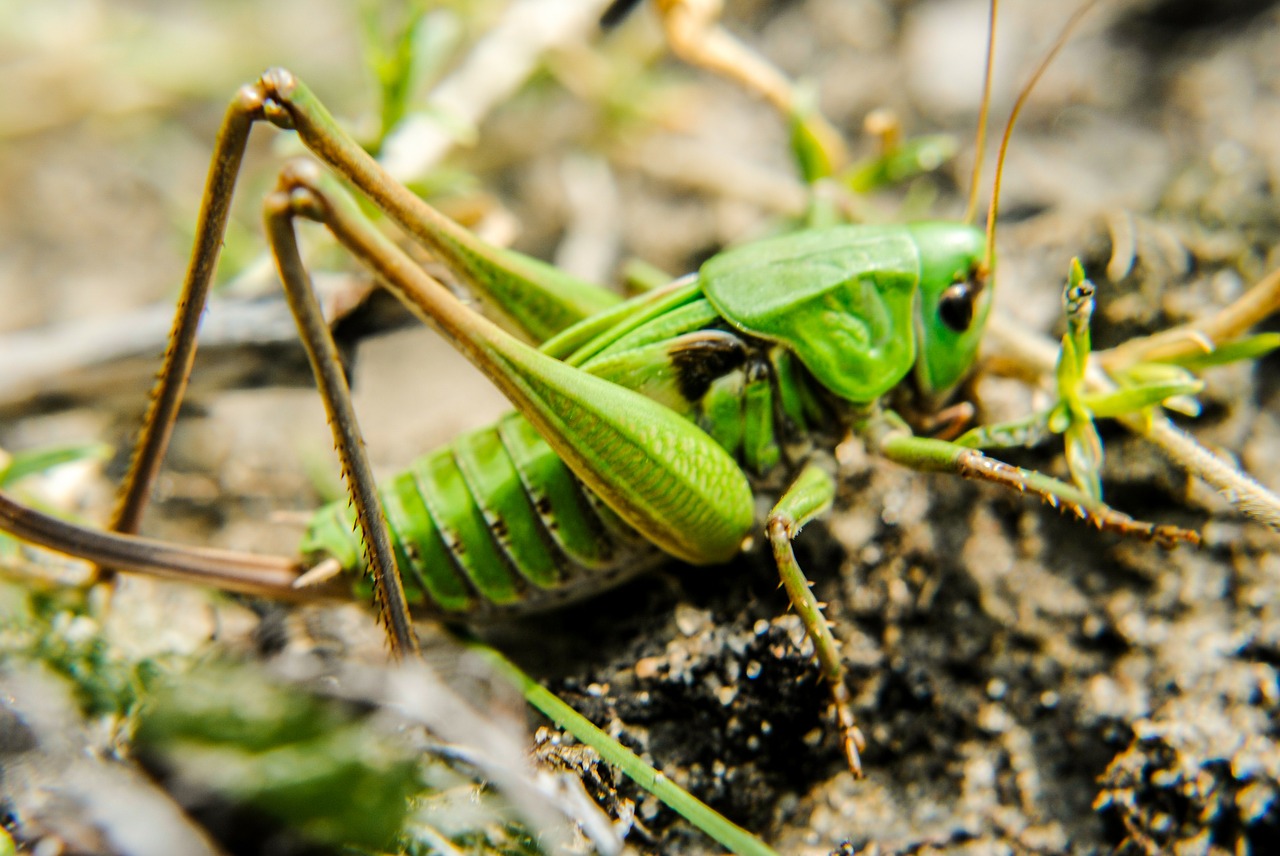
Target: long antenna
1013,117
980,143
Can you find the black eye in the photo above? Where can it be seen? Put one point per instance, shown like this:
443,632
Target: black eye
955,307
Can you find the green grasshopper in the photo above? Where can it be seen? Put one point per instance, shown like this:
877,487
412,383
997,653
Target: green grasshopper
643,429
627,553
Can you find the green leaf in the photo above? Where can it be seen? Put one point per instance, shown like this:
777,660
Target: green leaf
1248,348
1130,399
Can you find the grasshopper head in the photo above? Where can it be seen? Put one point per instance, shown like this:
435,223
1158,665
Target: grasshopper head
954,299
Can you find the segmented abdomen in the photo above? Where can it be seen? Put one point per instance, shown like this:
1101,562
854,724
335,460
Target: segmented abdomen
495,518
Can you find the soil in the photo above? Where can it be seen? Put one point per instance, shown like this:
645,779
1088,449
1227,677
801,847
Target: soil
1026,684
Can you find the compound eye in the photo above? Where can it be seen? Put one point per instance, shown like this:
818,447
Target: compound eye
955,307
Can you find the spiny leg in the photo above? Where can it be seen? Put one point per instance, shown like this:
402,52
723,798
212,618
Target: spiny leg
248,106
808,496
280,210
886,434
175,371
1141,376
540,299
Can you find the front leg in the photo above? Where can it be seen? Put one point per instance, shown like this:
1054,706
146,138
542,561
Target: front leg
886,434
810,495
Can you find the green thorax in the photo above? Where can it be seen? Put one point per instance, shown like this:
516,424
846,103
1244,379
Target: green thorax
751,395
845,299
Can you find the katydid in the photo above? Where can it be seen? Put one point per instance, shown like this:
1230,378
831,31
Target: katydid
643,429
578,347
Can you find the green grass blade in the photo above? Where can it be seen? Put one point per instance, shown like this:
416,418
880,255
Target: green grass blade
727,833
36,461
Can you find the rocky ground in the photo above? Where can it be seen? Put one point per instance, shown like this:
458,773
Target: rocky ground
1026,683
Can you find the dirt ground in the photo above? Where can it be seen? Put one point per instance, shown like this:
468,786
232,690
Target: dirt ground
1027,684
